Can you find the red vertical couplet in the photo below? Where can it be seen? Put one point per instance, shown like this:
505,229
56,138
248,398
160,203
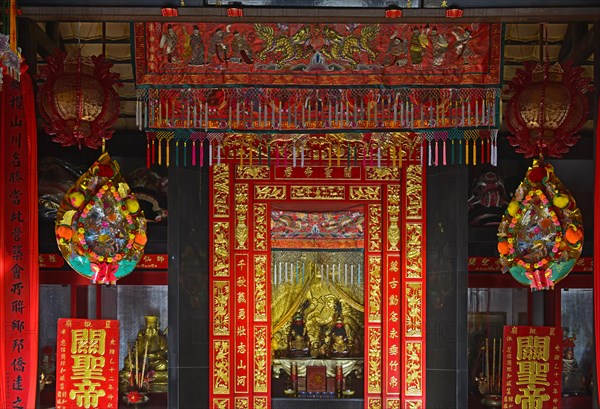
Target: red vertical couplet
18,245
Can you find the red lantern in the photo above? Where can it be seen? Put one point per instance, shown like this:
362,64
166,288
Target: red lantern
454,13
235,10
547,109
393,12
169,12
77,100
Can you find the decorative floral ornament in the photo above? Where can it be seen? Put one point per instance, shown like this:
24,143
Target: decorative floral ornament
100,229
540,237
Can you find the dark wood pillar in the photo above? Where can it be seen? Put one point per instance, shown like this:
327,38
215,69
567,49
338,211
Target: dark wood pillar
447,255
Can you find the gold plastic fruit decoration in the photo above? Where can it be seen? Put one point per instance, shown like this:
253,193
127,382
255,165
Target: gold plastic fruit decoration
100,229
540,237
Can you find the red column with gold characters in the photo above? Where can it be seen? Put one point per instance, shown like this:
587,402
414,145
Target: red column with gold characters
531,367
87,364
18,244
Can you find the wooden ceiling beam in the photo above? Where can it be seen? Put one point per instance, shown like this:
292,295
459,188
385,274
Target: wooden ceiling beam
313,15
574,34
581,49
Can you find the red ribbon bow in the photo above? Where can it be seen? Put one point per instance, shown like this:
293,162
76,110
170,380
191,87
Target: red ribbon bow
104,273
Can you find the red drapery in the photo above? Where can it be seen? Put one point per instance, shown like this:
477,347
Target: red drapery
18,244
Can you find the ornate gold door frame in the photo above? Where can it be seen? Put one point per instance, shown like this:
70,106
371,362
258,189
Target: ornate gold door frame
241,198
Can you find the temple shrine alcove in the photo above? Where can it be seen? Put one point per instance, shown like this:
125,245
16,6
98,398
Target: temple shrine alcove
310,127
317,282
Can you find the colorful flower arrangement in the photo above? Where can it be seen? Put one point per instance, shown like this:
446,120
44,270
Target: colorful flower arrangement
540,237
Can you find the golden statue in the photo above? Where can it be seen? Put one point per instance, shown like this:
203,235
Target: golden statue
150,345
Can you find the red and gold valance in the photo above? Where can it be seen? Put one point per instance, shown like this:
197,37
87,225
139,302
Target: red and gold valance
317,54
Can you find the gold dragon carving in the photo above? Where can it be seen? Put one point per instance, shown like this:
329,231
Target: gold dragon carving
413,369
414,297
260,227
374,227
414,194
241,214
393,232
221,307
221,190
383,173
221,367
260,288
251,172
260,359
414,246
269,192
374,288
221,249
374,363
365,192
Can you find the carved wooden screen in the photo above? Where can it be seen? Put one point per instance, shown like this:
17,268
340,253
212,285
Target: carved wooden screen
394,206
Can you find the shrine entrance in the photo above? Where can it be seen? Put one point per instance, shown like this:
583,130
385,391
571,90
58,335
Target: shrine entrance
317,284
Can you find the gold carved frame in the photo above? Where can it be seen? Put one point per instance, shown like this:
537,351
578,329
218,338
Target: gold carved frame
393,198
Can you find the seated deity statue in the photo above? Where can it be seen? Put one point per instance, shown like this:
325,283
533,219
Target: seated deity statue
152,343
298,339
339,336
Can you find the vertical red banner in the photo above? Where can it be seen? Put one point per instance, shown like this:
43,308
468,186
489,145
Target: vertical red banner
531,368
18,245
87,364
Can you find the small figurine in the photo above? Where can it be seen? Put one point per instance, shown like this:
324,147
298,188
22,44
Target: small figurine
572,378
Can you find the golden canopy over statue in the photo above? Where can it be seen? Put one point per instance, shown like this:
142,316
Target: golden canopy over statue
150,345
322,298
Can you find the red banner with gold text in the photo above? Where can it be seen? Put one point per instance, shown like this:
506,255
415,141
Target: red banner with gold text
532,367
87,364
18,244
